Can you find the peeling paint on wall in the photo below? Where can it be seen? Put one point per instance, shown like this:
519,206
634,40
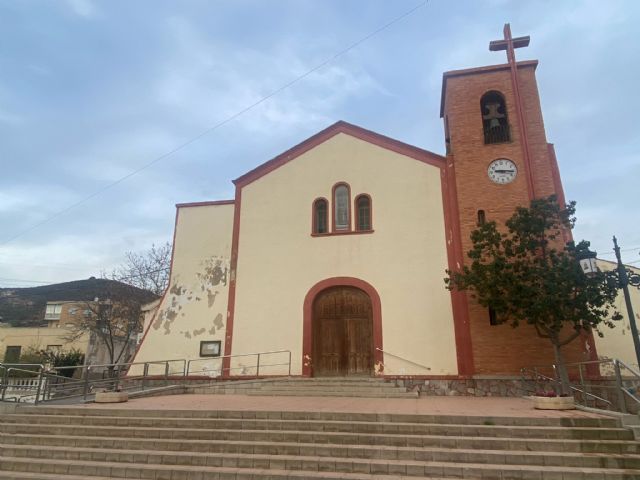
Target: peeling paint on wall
213,273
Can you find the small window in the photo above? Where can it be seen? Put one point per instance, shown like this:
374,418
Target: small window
12,354
482,218
53,311
320,212
495,124
363,213
210,348
342,217
493,318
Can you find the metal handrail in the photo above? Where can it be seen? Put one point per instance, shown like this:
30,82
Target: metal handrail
554,380
617,364
258,365
403,359
51,385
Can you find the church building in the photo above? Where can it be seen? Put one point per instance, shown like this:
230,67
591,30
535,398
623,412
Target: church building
333,254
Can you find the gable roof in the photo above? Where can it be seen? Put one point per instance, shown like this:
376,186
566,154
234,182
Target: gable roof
324,135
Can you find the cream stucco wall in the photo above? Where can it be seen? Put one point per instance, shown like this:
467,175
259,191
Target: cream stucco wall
40,338
194,308
618,342
404,259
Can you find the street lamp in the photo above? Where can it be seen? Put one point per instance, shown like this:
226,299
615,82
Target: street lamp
621,278
587,260
625,278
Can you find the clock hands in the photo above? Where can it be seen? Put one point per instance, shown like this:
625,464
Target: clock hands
504,171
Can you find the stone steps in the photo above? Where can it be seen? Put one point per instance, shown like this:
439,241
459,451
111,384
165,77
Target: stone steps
68,443
154,450
178,428
268,467
366,387
381,441
602,422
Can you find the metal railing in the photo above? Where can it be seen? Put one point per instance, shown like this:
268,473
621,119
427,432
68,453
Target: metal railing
83,381
403,359
242,368
598,383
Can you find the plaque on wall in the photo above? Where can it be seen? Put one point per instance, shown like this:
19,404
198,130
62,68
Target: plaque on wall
210,348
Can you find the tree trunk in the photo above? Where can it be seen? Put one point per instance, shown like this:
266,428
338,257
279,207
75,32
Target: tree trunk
561,368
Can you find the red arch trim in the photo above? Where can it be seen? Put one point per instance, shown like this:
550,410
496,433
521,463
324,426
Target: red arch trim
307,328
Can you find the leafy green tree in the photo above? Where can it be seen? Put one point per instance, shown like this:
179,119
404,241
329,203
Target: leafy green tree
526,275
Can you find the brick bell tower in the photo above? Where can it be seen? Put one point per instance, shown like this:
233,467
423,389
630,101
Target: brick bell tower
498,159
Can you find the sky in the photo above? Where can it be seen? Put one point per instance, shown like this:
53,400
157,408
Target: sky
93,90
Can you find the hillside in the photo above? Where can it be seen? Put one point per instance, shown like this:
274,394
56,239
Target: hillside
24,307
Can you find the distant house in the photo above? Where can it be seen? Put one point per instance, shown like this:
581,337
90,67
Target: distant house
55,325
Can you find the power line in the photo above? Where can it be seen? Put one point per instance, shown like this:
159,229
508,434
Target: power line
217,125
633,249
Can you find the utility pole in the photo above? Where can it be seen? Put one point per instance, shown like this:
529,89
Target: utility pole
623,283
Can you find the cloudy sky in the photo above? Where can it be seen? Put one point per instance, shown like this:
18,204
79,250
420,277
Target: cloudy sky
91,91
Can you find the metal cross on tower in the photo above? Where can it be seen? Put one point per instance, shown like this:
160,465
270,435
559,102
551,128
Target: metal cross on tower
509,43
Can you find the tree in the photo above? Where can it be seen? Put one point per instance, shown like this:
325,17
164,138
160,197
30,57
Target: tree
527,275
113,320
148,270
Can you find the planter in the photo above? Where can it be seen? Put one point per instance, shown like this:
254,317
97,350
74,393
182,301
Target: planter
554,403
111,397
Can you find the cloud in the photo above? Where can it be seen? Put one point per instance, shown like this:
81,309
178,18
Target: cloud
10,119
82,8
206,81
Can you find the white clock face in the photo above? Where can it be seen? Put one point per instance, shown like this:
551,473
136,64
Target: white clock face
502,171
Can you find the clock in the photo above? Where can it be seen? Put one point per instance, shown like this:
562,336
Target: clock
502,171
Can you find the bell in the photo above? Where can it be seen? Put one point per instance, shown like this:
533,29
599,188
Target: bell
494,123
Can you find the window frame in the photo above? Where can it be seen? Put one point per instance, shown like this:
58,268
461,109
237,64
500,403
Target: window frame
333,208
214,343
356,209
314,224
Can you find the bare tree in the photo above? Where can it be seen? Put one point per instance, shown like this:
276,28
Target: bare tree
148,270
113,320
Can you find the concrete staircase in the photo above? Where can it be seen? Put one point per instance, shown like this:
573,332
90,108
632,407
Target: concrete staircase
317,387
66,443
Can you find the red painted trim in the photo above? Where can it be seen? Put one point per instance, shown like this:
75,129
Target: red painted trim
455,258
314,226
231,303
348,129
205,204
173,249
357,212
307,326
476,70
333,208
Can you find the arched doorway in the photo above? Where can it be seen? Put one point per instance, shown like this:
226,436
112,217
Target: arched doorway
342,332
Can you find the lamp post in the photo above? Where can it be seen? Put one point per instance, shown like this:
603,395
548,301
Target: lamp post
621,277
625,278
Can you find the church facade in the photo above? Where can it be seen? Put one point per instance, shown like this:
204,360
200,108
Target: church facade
332,255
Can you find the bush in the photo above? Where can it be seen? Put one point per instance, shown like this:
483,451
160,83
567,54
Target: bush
72,358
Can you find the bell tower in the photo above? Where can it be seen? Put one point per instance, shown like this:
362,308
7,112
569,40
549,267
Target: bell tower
498,158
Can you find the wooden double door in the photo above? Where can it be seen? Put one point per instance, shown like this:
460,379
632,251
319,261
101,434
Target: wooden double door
342,333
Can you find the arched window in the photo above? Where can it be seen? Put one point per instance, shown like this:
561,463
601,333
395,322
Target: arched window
495,123
341,207
363,212
482,217
320,211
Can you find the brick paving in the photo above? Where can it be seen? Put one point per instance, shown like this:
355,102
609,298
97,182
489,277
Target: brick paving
474,406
